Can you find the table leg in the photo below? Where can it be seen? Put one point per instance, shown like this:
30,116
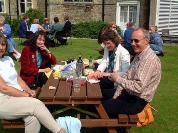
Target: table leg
104,115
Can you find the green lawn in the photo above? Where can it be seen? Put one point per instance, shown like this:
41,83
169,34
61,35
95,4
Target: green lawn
166,97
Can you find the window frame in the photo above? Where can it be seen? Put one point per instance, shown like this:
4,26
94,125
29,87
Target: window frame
78,1
128,4
25,4
4,1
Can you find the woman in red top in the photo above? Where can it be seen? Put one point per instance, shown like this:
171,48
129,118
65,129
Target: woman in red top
36,59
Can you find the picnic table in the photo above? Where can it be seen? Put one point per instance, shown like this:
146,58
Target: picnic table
59,92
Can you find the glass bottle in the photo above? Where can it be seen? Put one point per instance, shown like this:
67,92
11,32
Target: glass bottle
79,67
90,62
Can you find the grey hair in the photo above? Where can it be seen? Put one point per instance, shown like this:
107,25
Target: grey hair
145,32
2,18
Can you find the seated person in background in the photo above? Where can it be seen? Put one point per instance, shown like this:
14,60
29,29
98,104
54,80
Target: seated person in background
5,29
16,98
55,28
127,38
156,42
23,27
115,59
137,87
46,25
66,31
36,60
36,26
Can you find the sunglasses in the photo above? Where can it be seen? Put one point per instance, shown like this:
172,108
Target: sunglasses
136,40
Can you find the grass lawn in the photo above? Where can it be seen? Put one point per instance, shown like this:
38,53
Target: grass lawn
166,97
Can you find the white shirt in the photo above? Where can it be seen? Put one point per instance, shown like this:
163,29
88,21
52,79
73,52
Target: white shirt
34,28
8,73
121,61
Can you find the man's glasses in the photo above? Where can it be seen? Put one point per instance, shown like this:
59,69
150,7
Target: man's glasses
136,40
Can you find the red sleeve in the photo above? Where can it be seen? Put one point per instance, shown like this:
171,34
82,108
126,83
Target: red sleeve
53,60
48,60
28,62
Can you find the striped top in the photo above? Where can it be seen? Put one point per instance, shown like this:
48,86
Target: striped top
143,76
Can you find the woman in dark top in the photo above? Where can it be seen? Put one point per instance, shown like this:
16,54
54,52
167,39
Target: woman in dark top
36,59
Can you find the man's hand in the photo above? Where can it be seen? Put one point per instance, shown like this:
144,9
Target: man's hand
114,76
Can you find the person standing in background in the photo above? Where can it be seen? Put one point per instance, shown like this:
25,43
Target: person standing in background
23,27
127,38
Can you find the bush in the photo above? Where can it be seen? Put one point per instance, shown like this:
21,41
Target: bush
88,29
34,13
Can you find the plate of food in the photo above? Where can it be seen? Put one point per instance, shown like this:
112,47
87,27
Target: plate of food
93,81
88,71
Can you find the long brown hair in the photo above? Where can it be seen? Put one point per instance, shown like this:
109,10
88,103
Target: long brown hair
33,39
3,41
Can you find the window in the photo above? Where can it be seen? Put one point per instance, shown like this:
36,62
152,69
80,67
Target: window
25,5
2,5
79,1
127,11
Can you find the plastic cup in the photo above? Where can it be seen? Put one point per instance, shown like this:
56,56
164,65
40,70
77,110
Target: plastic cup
76,84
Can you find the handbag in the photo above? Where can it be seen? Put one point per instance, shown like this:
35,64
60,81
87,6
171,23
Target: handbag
145,117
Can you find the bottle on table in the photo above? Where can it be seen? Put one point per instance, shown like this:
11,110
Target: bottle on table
79,67
77,75
91,62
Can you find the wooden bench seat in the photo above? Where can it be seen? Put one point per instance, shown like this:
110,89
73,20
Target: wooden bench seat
122,121
12,123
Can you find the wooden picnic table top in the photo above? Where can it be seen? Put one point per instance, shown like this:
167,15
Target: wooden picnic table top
62,93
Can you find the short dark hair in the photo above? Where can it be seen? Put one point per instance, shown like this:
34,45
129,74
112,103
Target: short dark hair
110,35
102,30
3,41
56,19
25,17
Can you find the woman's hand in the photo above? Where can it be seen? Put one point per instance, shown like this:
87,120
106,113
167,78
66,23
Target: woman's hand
62,131
96,75
45,70
32,93
45,49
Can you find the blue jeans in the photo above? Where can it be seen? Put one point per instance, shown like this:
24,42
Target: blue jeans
157,48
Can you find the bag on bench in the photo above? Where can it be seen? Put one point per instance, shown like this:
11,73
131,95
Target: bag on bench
145,117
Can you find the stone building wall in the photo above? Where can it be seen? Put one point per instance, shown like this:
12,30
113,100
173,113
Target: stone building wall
110,10
78,12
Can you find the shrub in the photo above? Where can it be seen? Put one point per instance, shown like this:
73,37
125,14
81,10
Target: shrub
34,13
88,29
